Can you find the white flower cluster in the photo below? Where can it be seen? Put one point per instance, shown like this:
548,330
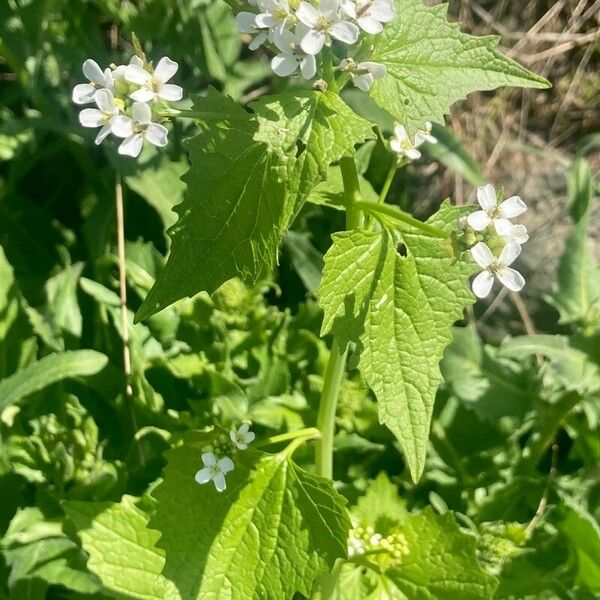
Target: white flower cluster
299,30
216,467
404,147
125,97
513,236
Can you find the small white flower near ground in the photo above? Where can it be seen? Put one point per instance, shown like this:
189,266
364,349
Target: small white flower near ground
242,437
495,214
324,23
83,93
214,470
104,116
498,268
154,85
404,147
138,128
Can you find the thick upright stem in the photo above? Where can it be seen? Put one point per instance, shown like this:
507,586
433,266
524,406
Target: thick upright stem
351,191
334,374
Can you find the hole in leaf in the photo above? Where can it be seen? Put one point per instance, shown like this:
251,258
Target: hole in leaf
402,250
406,101
300,148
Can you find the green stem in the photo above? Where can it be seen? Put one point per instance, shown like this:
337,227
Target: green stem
334,375
399,215
303,434
351,192
388,182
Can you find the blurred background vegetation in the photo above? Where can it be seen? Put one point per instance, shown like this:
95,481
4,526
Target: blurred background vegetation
515,439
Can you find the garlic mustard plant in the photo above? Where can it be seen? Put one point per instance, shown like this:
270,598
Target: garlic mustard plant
498,268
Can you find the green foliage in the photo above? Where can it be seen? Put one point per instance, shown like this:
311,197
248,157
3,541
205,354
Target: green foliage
431,65
269,535
400,305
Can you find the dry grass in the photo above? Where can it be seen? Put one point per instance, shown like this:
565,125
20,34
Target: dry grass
526,139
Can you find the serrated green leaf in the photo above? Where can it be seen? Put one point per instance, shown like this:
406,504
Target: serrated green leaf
121,549
269,535
49,370
246,183
401,310
431,64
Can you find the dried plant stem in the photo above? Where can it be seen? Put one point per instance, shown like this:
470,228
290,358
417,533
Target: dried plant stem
539,513
127,369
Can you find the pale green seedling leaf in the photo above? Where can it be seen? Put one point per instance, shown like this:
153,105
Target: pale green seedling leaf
267,536
250,174
431,64
122,549
49,370
399,299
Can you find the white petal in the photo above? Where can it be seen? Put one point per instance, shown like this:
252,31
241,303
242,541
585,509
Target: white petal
244,427
165,69
345,32
265,20
102,134
136,60
482,284
395,145
400,133
503,227
479,220
249,437
143,95
225,464
219,481
509,253
109,81
258,41
307,13
245,22
93,72
157,134
119,73
136,74
83,93
91,117
486,196
105,101
284,64
422,136
141,112
313,42
412,153
349,8
122,126
369,24
363,82
483,255
511,279
512,207
203,475
376,69
383,10
519,234
329,8
171,92
132,146
209,459
308,66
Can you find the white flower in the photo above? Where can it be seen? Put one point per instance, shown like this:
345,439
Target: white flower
370,14
511,233
496,267
402,145
495,214
138,129
291,58
277,15
363,74
104,116
324,23
242,437
83,93
214,470
246,23
424,135
154,86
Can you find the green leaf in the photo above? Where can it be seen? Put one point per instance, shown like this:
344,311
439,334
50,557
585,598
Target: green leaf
269,535
258,180
431,64
400,306
121,548
49,370
40,555
583,532
576,295
307,260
